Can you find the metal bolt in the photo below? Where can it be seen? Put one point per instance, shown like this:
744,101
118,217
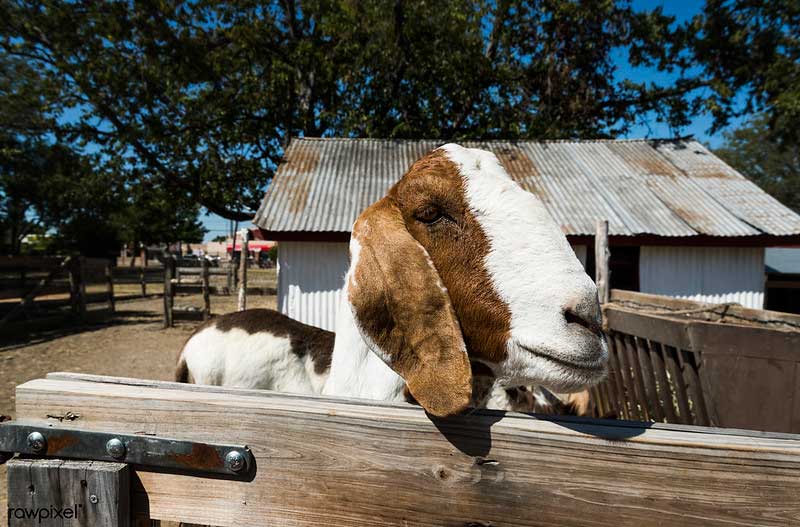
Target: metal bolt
93,499
235,461
115,448
37,442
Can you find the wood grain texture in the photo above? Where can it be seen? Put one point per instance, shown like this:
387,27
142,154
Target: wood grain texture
343,462
85,493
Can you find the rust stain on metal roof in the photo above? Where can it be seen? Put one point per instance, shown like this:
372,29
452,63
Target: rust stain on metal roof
301,161
301,157
299,193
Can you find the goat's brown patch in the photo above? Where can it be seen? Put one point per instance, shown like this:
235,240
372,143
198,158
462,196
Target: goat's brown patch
400,305
421,278
304,339
457,245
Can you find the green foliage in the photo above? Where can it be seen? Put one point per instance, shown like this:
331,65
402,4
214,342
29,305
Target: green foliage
773,167
219,239
752,48
202,96
195,100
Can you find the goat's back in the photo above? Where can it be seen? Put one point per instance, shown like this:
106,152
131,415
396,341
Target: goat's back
257,348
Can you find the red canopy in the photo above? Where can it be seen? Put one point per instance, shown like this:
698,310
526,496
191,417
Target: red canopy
252,245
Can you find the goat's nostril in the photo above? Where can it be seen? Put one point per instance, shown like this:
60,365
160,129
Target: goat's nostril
589,323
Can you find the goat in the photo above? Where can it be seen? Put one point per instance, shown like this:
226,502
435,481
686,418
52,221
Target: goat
456,268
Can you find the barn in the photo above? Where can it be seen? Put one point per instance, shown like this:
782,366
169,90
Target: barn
682,223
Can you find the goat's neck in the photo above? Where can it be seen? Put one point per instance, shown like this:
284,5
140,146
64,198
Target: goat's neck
356,371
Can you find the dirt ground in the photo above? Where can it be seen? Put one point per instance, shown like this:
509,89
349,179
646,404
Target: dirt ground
131,344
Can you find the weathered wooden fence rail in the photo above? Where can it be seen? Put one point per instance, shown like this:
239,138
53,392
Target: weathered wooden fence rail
343,462
684,362
141,276
39,292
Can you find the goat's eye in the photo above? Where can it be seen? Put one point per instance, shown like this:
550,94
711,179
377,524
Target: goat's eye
428,215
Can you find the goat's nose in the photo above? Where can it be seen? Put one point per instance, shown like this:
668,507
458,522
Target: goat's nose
585,314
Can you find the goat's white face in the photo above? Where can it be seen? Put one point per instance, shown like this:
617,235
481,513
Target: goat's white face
459,263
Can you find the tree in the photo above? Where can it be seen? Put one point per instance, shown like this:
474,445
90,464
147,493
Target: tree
750,53
203,96
771,166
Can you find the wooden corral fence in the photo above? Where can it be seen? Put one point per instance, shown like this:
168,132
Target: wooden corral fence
141,276
679,361
193,277
39,292
217,456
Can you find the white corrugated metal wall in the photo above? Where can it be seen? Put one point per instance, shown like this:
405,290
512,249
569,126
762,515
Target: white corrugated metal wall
705,274
310,275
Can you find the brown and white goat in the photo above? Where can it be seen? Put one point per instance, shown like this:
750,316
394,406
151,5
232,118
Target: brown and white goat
456,266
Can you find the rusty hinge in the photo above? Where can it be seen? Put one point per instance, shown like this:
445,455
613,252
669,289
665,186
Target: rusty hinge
144,450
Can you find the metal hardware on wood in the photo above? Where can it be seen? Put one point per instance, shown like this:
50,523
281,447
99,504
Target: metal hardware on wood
36,442
235,461
115,448
143,450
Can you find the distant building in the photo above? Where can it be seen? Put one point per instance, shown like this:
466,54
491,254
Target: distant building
682,222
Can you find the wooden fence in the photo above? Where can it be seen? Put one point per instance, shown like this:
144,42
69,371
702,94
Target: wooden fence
325,461
678,361
141,276
186,280
39,292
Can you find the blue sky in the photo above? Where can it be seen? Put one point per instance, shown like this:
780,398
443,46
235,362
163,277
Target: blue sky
683,10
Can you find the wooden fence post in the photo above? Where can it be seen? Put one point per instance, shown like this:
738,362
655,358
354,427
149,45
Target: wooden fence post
143,281
169,267
77,287
66,492
230,278
110,286
601,256
242,305
206,290
82,282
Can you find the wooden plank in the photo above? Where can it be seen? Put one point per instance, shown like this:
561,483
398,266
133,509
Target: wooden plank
678,385
343,462
638,384
663,385
601,257
646,367
110,286
66,263
242,299
692,380
762,317
661,329
36,263
627,378
704,336
206,291
622,407
610,390
55,492
169,293
749,392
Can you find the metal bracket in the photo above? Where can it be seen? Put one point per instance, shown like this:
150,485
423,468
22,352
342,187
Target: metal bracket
147,451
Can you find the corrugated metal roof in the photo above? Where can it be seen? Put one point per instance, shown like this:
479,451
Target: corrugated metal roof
664,188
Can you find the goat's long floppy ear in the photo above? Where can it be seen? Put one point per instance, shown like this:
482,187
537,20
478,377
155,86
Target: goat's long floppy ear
404,313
